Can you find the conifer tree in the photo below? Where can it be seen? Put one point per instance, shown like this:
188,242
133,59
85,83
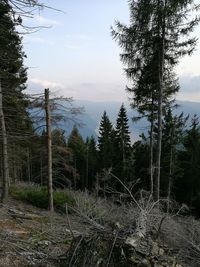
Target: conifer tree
78,149
62,166
173,130
123,145
105,142
141,163
91,161
152,45
188,186
13,78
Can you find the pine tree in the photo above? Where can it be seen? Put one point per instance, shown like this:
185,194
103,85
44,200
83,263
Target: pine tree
91,161
152,46
78,149
173,130
188,186
105,142
123,146
141,163
61,154
13,78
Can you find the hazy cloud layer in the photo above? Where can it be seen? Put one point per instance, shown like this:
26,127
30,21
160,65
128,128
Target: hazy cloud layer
189,90
45,22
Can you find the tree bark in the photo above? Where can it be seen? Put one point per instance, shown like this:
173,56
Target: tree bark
28,165
5,149
41,170
160,95
151,149
49,148
170,179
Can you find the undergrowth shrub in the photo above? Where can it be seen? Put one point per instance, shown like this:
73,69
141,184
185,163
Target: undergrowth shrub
38,196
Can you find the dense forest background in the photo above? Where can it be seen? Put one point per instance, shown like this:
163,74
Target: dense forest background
98,165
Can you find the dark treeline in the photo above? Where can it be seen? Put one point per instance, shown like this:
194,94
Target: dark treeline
85,164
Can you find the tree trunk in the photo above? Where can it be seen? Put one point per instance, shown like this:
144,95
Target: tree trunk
49,147
5,149
170,179
28,165
160,96
41,170
151,149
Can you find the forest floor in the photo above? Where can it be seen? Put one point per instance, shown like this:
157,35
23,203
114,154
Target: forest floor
99,234
34,237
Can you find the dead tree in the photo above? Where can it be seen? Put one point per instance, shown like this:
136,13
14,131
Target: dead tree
49,146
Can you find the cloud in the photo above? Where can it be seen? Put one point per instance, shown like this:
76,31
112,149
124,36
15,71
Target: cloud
189,88
38,40
99,91
76,41
46,83
78,37
190,96
42,21
73,47
190,84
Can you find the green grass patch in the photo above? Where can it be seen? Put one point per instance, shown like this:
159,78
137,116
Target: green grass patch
38,196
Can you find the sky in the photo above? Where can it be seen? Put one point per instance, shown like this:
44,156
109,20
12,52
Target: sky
74,53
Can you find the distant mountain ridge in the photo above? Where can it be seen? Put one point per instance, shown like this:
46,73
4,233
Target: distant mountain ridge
93,112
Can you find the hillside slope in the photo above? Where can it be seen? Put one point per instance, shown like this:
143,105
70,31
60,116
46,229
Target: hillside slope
97,233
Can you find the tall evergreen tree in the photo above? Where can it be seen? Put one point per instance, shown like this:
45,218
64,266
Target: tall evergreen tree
13,78
123,146
91,161
173,130
78,149
141,163
152,46
105,142
188,186
62,166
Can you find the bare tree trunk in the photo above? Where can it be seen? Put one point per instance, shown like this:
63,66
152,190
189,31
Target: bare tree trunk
14,166
14,172
74,174
41,170
87,167
170,179
28,165
151,148
160,98
49,147
5,149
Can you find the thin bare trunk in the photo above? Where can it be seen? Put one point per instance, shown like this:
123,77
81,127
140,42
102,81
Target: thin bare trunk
87,166
170,179
28,165
5,149
151,149
41,170
160,98
49,147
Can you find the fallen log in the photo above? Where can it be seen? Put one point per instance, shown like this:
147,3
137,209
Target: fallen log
117,249
16,214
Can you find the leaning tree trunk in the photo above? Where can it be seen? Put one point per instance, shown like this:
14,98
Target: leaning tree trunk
5,149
